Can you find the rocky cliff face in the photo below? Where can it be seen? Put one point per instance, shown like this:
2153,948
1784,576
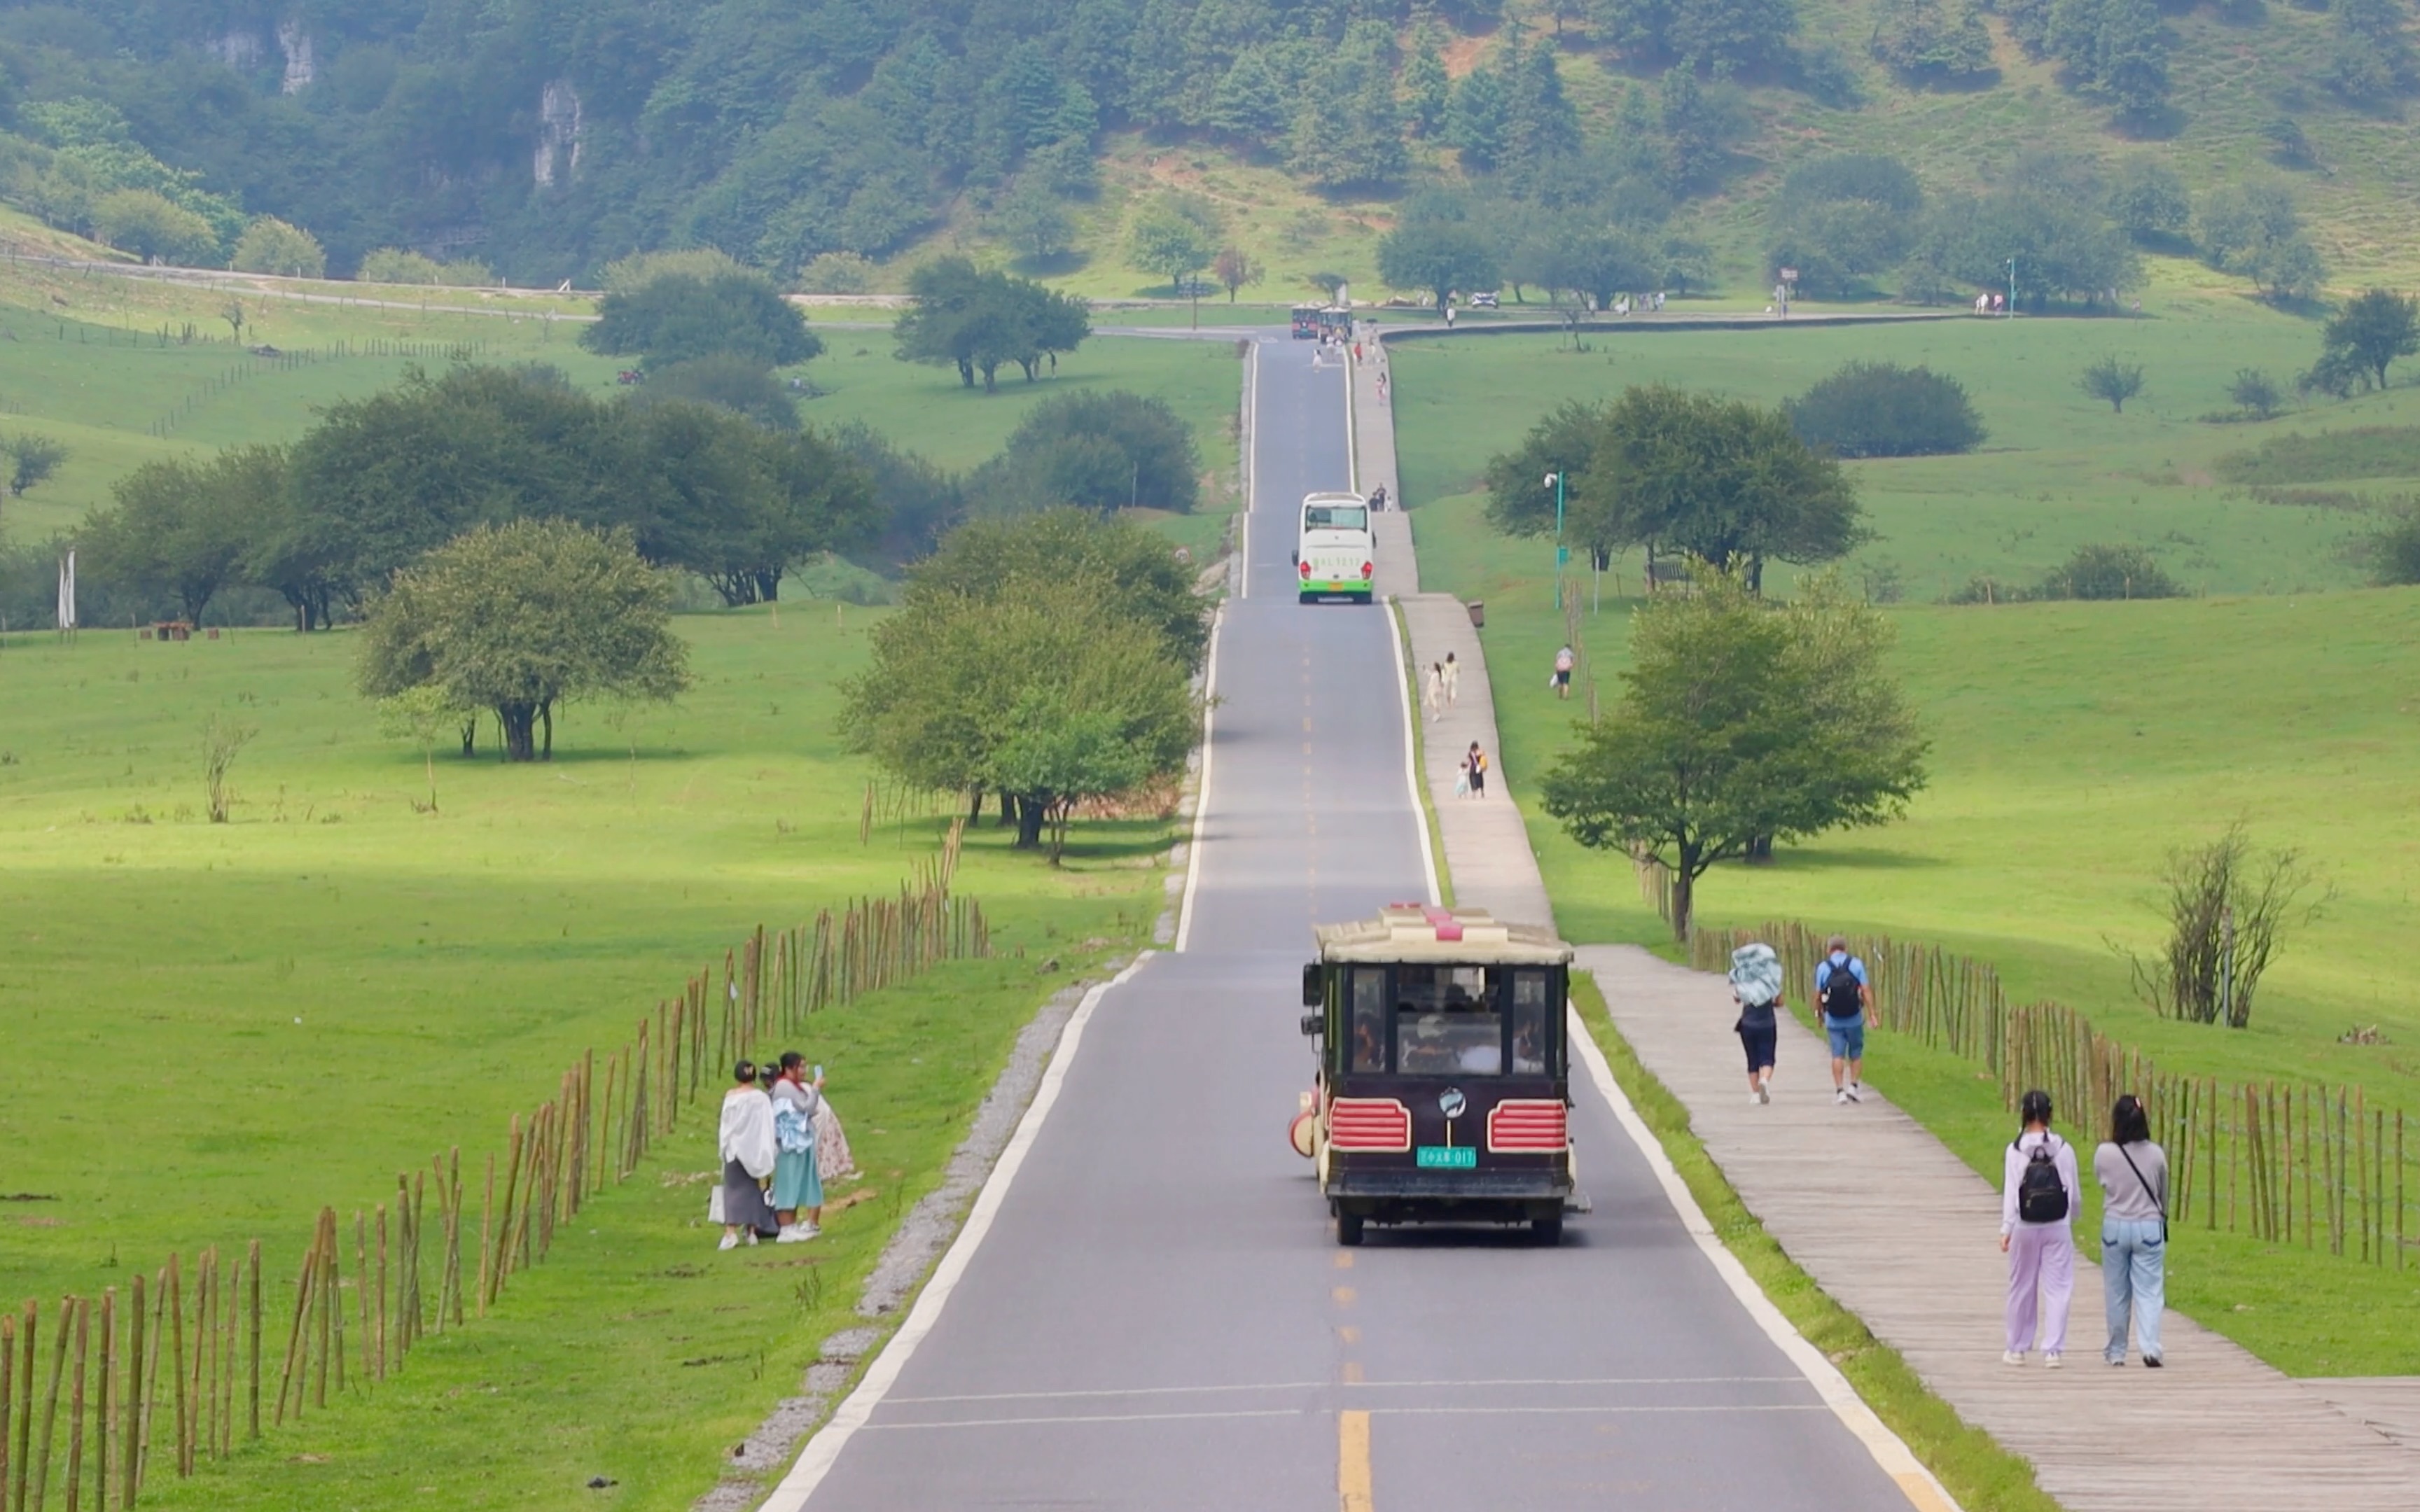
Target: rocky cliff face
295,43
557,157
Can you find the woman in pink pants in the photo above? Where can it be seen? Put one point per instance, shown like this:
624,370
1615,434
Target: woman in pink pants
2038,1198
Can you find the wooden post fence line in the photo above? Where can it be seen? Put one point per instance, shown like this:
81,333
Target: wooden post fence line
164,1390
2283,1162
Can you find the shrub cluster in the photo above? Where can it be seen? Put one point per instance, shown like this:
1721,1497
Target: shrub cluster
1885,409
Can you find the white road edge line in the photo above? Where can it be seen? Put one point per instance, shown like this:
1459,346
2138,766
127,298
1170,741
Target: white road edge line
1411,760
822,1451
1201,788
1251,479
1352,441
1889,1451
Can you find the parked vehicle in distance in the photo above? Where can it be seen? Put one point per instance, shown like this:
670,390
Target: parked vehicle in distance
1335,556
1443,1085
1306,322
1484,302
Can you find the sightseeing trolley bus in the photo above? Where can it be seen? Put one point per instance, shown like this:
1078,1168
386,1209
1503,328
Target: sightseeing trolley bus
1334,555
1443,1082
1306,322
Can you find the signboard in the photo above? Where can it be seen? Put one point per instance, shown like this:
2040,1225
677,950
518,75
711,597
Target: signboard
1789,275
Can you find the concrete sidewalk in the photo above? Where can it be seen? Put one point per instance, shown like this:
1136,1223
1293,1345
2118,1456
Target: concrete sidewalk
1903,1233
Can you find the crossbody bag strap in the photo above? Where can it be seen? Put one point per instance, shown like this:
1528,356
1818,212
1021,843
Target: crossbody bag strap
2159,1199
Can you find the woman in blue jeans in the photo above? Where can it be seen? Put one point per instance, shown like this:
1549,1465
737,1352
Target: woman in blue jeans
2134,1176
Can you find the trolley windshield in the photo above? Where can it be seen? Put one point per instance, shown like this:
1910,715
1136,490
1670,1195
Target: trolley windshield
1420,1020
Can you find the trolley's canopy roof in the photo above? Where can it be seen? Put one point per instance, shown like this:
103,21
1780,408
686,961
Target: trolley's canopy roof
1414,932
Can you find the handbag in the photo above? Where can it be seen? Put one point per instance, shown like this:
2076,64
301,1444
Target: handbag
2159,1198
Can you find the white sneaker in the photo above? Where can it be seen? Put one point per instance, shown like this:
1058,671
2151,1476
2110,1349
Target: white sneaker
751,1236
1756,1099
2052,1361
1854,1094
814,1230
2013,1357
1840,1096
791,1235
729,1241
1764,1091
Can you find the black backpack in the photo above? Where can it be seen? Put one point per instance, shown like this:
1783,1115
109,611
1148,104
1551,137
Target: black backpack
2041,1196
1840,997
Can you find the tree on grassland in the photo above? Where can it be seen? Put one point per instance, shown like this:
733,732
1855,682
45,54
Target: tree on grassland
2148,201
2114,380
1098,451
1717,479
32,458
270,245
1235,269
150,225
1438,257
2255,230
519,618
2392,547
2373,329
2226,911
1048,696
727,380
1118,561
183,528
1885,409
1841,219
1174,235
974,321
1739,724
679,316
1561,444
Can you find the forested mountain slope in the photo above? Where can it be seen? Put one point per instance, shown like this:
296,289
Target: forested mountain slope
543,138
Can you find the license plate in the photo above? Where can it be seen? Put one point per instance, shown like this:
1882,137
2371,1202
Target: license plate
1447,1157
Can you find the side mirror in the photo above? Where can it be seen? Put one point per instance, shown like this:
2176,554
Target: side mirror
1312,1023
1294,558
1315,986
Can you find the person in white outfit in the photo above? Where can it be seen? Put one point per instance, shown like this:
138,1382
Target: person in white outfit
2037,1202
1436,692
1452,679
749,1153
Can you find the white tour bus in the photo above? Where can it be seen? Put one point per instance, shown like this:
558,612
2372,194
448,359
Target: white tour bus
1334,555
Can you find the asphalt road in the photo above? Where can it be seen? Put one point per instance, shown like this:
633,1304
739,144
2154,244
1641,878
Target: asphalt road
1161,1316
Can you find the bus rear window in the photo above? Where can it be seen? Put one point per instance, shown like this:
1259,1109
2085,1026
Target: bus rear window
1336,517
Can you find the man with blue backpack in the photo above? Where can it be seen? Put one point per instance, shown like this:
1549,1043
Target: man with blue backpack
1845,998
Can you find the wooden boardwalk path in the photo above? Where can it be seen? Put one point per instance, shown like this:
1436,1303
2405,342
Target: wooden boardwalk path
1904,1234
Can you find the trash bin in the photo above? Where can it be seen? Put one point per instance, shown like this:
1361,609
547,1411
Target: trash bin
1478,615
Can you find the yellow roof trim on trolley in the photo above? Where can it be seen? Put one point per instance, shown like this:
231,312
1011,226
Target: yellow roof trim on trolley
1413,932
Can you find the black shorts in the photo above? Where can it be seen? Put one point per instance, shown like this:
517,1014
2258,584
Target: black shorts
1562,679
1758,1044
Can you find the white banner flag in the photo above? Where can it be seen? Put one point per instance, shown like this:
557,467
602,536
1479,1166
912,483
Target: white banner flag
67,593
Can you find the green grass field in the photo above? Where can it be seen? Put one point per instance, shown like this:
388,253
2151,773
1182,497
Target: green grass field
240,1023
2073,744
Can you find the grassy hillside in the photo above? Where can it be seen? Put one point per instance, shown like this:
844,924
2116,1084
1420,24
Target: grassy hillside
292,1007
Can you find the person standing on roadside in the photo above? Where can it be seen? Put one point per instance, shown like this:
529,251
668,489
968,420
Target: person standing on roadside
2134,1176
1846,1001
2038,1200
1478,764
1755,981
1436,692
745,1141
1452,679
798,1185
1564,662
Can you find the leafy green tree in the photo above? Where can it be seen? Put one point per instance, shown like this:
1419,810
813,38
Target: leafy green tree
1479,121
269,245
1251,105
519,618
1035,221
1933,41
180,529
2131,57
1438,257
2373,329
1886,409
2370,57
837,272
1716,479
1562,443
1235,269
976,321
2254,392
2392,546
1096,451
2102,572
2148,201
1839,220
728,380
2063,248
393,265
1713,33
33,458
677,317
2114,380
1739,724
1428,90
1174,238
1599,262
1116,562
2255,231
915,502
151,225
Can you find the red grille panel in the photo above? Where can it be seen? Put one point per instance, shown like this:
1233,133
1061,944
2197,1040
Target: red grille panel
1528,1125
1368,1123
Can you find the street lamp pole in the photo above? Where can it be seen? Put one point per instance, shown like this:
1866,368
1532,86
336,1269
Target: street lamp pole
2013,290
1554,480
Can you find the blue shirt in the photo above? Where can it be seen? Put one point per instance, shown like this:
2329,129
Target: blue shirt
1823,972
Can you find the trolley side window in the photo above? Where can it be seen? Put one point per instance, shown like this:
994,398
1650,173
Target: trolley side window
1446,1022
1533,1022
1366,1035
